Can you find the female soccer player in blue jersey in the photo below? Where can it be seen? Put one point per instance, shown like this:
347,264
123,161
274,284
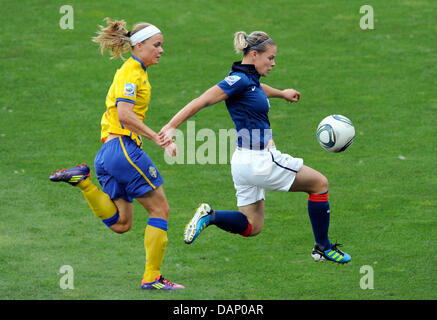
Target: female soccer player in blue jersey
123,169
256,164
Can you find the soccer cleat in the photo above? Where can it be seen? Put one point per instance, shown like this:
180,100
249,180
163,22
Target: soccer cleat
199,222
161,284
333,254
72,176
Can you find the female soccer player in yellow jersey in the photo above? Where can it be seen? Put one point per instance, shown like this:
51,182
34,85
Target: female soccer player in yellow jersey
123,169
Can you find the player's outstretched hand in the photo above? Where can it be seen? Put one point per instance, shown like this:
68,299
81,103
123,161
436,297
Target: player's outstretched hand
171,149
166,134
155,138
291,95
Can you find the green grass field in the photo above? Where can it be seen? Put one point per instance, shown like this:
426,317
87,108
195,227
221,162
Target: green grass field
54,84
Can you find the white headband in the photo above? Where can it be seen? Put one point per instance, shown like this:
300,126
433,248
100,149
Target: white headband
144,34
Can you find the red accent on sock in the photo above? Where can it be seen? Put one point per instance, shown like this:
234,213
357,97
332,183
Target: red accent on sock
248,230
318,197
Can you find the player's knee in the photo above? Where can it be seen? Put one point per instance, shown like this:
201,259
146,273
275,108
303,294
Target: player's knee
324,183
255,232
320,186
121,227
257,227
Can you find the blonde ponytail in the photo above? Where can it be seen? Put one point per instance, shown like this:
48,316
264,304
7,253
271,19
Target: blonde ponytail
240,42
113,38
257,40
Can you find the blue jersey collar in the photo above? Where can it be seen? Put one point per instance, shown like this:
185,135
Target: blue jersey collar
142,65
248,69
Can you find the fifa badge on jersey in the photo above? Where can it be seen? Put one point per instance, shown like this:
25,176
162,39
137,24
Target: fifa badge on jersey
232,79
152,171
129,89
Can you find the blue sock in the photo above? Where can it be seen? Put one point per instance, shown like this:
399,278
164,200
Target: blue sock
318,210
231,221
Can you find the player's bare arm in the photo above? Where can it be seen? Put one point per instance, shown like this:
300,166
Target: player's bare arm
210,97
290,95
130,120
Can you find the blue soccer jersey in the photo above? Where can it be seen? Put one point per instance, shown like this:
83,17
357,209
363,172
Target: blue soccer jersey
248,106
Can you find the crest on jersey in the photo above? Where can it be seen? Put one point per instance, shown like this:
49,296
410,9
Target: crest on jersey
232,79
129,89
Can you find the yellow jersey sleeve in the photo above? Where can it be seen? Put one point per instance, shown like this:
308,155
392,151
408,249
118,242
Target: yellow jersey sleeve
130,84
127,82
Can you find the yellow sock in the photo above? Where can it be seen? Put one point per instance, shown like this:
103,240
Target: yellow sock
103,207
155,242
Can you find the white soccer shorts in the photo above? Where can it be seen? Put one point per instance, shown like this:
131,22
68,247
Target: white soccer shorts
254,171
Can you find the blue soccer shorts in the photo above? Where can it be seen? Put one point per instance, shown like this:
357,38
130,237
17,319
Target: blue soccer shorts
124,170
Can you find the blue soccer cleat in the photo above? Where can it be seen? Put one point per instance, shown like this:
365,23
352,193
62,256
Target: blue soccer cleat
199,222
332,254
72,176
161,284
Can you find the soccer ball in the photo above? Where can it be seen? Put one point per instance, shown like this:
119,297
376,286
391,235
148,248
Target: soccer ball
335,133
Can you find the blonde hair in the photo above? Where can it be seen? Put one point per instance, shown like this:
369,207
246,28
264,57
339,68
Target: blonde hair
244,43
115,37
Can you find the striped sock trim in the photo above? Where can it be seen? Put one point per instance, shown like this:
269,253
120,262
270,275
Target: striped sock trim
110,221
248,230
323,197
158,223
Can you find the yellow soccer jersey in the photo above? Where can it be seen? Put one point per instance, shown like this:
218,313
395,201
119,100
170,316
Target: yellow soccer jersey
130,84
